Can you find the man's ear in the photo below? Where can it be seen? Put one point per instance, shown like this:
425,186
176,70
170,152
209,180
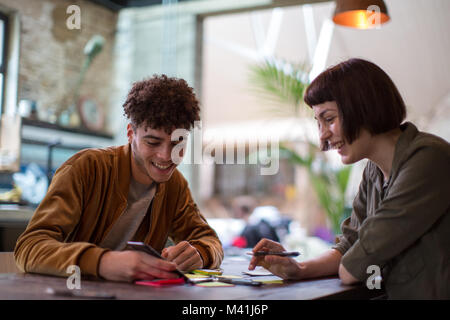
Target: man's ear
130,132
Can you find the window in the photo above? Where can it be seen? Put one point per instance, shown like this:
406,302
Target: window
3,60
231,180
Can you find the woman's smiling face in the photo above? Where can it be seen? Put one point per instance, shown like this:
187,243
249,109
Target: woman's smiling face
331,134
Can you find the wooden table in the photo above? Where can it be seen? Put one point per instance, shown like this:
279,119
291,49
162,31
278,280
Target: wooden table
33,286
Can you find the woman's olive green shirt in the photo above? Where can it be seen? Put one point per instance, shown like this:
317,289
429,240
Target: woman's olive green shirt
404,228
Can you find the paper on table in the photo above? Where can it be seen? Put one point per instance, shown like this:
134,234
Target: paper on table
230,276
259,271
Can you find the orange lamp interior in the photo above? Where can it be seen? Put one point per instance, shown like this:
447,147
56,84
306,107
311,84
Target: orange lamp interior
361,19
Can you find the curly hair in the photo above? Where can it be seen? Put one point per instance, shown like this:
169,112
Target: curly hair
162,102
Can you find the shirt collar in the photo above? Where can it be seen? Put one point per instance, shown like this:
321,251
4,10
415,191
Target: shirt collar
409,131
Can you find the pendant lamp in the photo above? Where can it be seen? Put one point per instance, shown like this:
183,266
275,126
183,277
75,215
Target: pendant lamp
360,14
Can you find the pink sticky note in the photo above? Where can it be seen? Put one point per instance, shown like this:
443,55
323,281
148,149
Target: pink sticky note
160,282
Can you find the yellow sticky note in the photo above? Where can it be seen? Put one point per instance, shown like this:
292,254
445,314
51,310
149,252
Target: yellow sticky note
196,276
269,281
214,284
208,272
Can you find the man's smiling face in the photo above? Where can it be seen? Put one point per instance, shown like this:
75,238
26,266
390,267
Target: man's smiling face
151,154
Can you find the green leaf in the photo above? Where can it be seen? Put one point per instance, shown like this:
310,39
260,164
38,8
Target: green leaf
343,176
273,83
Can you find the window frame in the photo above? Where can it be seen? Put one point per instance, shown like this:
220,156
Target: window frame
3,65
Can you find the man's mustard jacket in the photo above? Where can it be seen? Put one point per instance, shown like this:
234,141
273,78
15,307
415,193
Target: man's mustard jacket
87,195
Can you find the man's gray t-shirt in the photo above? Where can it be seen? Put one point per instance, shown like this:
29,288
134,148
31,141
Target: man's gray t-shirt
139,199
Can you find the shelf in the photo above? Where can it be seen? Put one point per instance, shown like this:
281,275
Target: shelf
59,146
48,125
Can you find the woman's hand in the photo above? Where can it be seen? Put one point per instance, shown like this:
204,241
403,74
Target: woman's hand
284,267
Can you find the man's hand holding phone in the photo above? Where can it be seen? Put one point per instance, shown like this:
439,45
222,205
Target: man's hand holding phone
130,265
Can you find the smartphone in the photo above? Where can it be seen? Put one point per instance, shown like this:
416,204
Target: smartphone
140,246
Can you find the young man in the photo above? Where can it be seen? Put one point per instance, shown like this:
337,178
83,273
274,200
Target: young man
101,198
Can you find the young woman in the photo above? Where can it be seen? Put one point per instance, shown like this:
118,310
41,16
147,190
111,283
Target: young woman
401,215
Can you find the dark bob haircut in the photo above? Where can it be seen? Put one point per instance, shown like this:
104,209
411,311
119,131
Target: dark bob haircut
365,96
162,102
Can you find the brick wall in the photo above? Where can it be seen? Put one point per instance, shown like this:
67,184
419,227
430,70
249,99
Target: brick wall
51,55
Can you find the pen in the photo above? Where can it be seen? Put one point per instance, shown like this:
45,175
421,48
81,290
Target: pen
272,253
247,282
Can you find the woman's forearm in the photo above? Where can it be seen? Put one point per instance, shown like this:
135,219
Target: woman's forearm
326,264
